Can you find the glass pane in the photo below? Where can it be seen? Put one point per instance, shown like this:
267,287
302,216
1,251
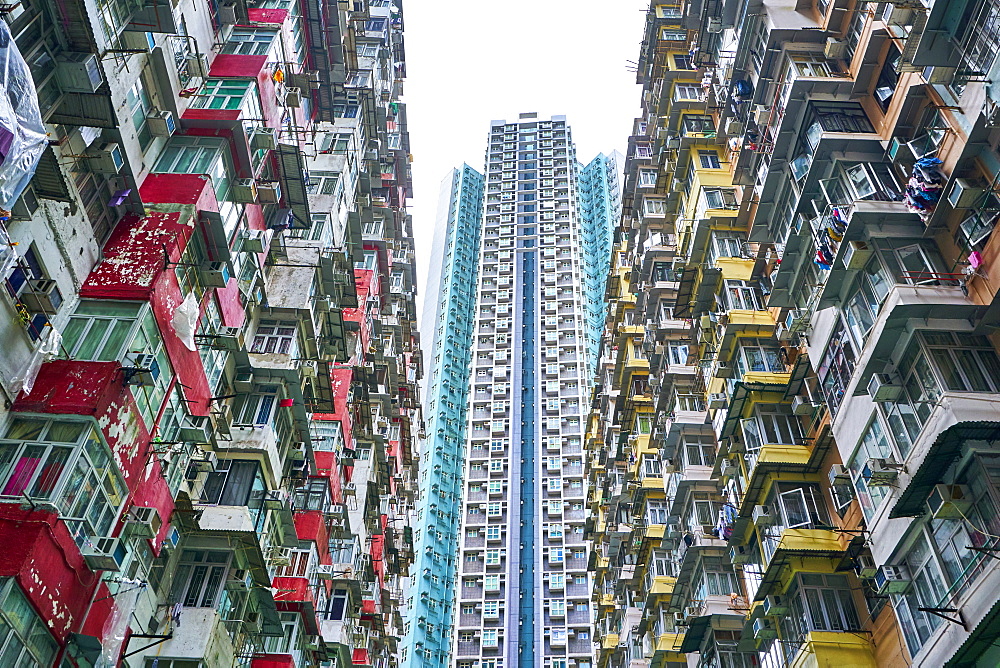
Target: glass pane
793,505
24,469
114,347
50,473
65,432
25,429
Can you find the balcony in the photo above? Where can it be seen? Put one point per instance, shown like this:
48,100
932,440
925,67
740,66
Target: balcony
829,648
790,550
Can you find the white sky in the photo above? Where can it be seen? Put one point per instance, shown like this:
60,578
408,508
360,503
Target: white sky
471,61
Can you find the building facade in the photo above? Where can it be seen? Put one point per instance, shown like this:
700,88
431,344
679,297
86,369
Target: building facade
600,207
791,445
211,361
523,593
450,310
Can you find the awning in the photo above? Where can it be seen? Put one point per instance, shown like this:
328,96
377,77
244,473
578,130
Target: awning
980,644
947,447
739,398
695,634
292,168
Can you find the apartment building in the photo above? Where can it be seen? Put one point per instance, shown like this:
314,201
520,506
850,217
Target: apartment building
211,362
450,310
791,443
523,592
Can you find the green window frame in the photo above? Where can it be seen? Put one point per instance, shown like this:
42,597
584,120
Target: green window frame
65,463
24,638
250,42
140,106
225,93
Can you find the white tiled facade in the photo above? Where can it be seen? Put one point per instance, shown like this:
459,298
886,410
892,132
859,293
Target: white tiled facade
523,591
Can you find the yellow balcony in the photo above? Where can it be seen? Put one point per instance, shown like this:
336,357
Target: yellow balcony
735,268
607,600
823,649
663,585
799,551
667,649
772,458
609,641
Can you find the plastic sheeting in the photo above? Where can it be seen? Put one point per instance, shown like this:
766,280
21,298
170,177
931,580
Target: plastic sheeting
185,321
45,352
116,626
22,133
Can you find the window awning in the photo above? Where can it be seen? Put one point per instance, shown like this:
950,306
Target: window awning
947,447
292,168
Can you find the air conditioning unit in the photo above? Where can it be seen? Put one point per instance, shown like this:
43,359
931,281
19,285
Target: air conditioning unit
782,333
761,113
228,338
143,522
775,606
692,611
293,97
245,191
140,369
835,49
243,382
78,73
105,554
206,461
223,420
227,13
734,126
280,556
714,25
802,406
197,64
161,123
898,16
717,400
882,388
964,195
265,139
763,629
268,192
108,158
680,619
326,571
857,254
195,429
879,472
949,502
839,475
239,578
761,516
739,554
41,294
865,566
255,241
214,274
727,468
891,580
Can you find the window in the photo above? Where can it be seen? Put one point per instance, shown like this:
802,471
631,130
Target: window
725,245
236,482
274,336
654,206
774,423
741,295
647,178
101,331
862,306
140,106
817,603
24,638
65,463
837,367
256,408
493,557
874,443
757,355
225,93
199,578
249,42
657,511
687,92
198,155
557,608
323,183
697,124
682,61
709,159
699,449
671,35
720,198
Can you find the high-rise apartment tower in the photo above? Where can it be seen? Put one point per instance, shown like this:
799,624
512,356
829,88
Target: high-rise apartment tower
450,307
523,596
